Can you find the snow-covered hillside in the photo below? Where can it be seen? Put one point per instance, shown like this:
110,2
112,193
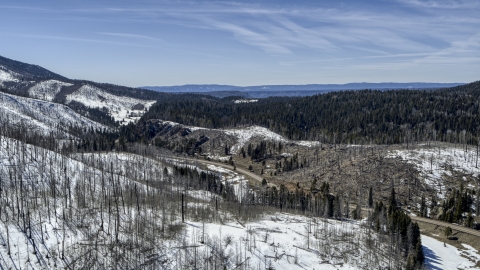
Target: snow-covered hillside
47,90
54,212
239,136
435,163
41,115
123,109
36,168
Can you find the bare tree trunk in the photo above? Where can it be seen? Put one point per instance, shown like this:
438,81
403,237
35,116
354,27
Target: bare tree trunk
183,210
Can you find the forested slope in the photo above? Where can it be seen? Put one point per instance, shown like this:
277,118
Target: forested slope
383,117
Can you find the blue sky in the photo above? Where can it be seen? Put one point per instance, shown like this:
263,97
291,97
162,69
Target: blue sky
137,43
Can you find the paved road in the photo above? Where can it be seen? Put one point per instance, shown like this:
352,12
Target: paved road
258,178
445,224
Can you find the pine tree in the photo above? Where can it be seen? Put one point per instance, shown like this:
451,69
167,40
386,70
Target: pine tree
420,257
457,216
392,202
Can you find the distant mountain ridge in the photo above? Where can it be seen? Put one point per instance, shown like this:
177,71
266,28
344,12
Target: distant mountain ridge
302,87
264,91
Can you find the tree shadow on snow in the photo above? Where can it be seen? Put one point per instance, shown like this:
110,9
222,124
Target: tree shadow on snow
431,258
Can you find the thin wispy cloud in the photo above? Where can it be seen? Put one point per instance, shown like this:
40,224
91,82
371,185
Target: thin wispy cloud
251,37
133,36
73,39
277,31
29,8
443,4
283,30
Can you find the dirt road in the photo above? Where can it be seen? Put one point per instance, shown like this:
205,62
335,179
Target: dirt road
445,224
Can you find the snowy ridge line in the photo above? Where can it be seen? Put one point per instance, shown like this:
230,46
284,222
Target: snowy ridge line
122,109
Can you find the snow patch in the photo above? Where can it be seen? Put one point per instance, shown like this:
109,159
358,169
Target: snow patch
308,143
238,101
